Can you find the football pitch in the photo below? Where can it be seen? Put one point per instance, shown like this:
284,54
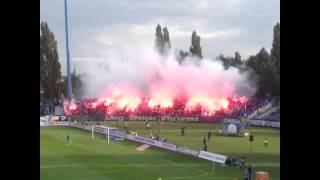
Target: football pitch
88,159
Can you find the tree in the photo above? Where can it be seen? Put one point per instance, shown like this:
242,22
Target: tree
166,39
195,48
275,50
275,57
226,61
43,65
231,61
265,70
237,59
76,84
50,68
159,39
182,55
162,43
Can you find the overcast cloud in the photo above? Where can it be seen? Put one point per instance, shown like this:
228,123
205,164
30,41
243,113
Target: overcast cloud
99,28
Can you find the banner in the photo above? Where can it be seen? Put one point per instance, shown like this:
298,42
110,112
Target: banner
166,145
243,119
156,118
261,123
160,144
54,123
45,123
260,110
188,151
212,157
58,111
231,121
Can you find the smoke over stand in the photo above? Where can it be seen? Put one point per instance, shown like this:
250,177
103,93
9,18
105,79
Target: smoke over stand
141,75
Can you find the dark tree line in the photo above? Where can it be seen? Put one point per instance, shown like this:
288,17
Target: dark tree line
52,84
195,49
235,61
264,65
162,43
50,73
77,85
267,67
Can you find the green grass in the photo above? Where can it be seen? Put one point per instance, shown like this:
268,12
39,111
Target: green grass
95,159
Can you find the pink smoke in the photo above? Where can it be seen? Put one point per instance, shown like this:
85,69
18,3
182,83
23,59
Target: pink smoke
161,80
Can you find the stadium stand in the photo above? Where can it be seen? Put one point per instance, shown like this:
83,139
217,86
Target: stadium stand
91,109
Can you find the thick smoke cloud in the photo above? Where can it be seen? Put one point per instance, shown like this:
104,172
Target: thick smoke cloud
141,72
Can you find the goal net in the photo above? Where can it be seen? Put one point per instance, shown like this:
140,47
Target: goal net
112,133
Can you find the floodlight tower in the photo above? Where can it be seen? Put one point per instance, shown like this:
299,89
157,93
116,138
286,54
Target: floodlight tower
69,83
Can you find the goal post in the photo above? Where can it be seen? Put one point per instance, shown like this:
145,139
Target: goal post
92,132
108,134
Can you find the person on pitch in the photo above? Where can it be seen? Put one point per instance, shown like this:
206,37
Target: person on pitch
182,131
68,139
209,135
205,147
126,125
148,125
204,141
266,142
250,172
246,174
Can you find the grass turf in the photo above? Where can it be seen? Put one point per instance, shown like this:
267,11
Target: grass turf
95,159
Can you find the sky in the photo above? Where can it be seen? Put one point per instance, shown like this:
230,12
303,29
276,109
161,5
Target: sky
98,29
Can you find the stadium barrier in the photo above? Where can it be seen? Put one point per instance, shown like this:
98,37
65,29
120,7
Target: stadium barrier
262,123
58,111
81,126
154,118
44,118
212,157
161,144
54,123
231,120
188,151
51,118
117,133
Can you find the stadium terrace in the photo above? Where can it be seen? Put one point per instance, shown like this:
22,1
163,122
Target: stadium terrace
210,109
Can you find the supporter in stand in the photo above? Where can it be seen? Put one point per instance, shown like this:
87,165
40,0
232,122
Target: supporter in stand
239,110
